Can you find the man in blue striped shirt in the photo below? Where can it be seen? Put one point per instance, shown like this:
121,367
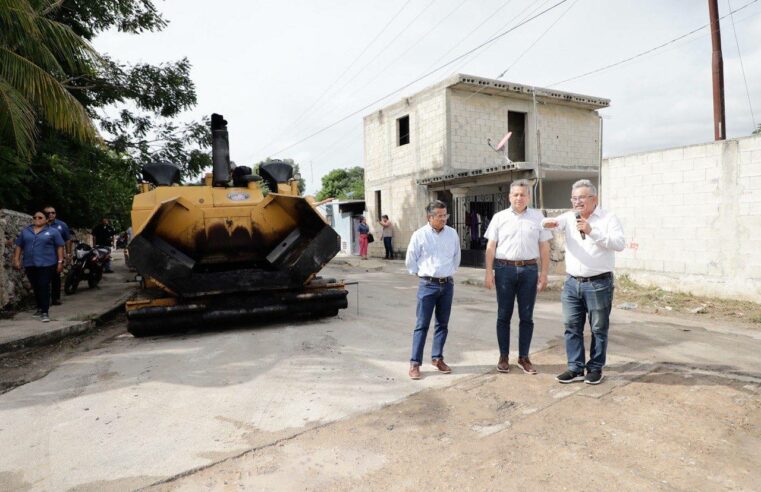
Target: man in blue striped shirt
433,255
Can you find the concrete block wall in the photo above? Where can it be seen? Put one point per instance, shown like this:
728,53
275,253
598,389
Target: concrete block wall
474,118
692,216
569,136
393,169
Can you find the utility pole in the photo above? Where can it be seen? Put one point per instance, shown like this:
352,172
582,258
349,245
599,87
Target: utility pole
719,124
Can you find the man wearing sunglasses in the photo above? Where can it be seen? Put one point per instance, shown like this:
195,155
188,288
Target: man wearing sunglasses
63,229
592,236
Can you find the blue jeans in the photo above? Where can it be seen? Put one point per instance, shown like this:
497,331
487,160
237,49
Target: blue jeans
432,296
389,250
580,299
515,282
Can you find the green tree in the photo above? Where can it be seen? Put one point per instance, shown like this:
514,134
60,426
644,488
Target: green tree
89,179
343,184
757,130
36,54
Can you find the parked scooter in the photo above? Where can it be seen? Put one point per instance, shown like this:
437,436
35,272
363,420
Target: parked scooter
88,265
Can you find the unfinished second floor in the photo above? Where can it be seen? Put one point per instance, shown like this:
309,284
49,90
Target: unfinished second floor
445,129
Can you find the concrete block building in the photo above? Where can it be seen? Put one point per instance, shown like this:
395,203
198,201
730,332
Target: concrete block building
440,143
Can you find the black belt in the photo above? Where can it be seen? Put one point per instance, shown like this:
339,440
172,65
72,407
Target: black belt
440,280
596,277
518,263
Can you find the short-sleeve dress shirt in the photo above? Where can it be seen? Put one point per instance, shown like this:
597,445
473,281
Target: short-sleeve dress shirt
517,234
39,250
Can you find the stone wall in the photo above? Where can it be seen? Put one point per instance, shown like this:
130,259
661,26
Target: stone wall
14,286
691,215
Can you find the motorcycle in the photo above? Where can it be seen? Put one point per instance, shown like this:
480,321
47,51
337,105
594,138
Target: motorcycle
88,264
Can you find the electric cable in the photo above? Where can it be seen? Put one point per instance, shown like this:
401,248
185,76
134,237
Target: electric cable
421,77
327,89
742,67
462,39
502,74
646,52
361,69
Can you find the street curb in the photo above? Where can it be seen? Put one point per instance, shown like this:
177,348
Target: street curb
76,328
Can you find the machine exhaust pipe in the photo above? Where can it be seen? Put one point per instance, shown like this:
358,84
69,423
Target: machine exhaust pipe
220,150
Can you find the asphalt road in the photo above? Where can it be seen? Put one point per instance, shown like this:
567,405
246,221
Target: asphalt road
136,412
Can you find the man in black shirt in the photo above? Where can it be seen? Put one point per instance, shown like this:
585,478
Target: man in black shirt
103,235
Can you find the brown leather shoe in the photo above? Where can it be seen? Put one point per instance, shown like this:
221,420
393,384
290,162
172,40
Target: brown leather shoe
526,365
441,366
503,365
414,371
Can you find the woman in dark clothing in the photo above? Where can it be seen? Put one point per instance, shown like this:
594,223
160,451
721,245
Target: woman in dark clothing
42,249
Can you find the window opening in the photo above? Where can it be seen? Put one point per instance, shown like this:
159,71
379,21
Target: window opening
403,130
516,146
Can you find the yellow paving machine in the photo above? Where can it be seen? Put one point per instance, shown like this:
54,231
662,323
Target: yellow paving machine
239,247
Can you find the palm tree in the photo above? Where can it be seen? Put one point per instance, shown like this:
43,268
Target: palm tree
36,54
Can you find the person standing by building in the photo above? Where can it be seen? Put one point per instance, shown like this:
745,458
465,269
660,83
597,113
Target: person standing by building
592,236
433,255
42,249
103,235
63,230
516,240
364,232
388,234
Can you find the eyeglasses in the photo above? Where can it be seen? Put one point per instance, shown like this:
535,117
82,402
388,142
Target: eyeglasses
444,217
39,217
580,198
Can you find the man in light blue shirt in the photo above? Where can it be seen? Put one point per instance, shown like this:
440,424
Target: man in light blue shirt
433,255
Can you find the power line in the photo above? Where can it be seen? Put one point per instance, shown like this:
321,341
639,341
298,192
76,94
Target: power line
502,74
742,67
517,16
461,40
639,55
361,69
385,67
346,70
485,43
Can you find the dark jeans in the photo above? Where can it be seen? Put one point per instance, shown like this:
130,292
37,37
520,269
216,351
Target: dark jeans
580,299
39,277
432,296
515,282
55,286
387,245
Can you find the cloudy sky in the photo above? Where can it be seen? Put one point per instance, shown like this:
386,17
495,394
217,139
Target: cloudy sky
282,70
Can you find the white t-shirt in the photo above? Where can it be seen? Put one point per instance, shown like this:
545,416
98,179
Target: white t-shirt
517,235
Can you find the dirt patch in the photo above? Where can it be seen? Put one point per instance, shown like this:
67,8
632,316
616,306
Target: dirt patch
632,296
648,427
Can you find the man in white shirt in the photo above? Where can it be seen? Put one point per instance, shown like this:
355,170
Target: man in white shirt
515,240
592,236
433,255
